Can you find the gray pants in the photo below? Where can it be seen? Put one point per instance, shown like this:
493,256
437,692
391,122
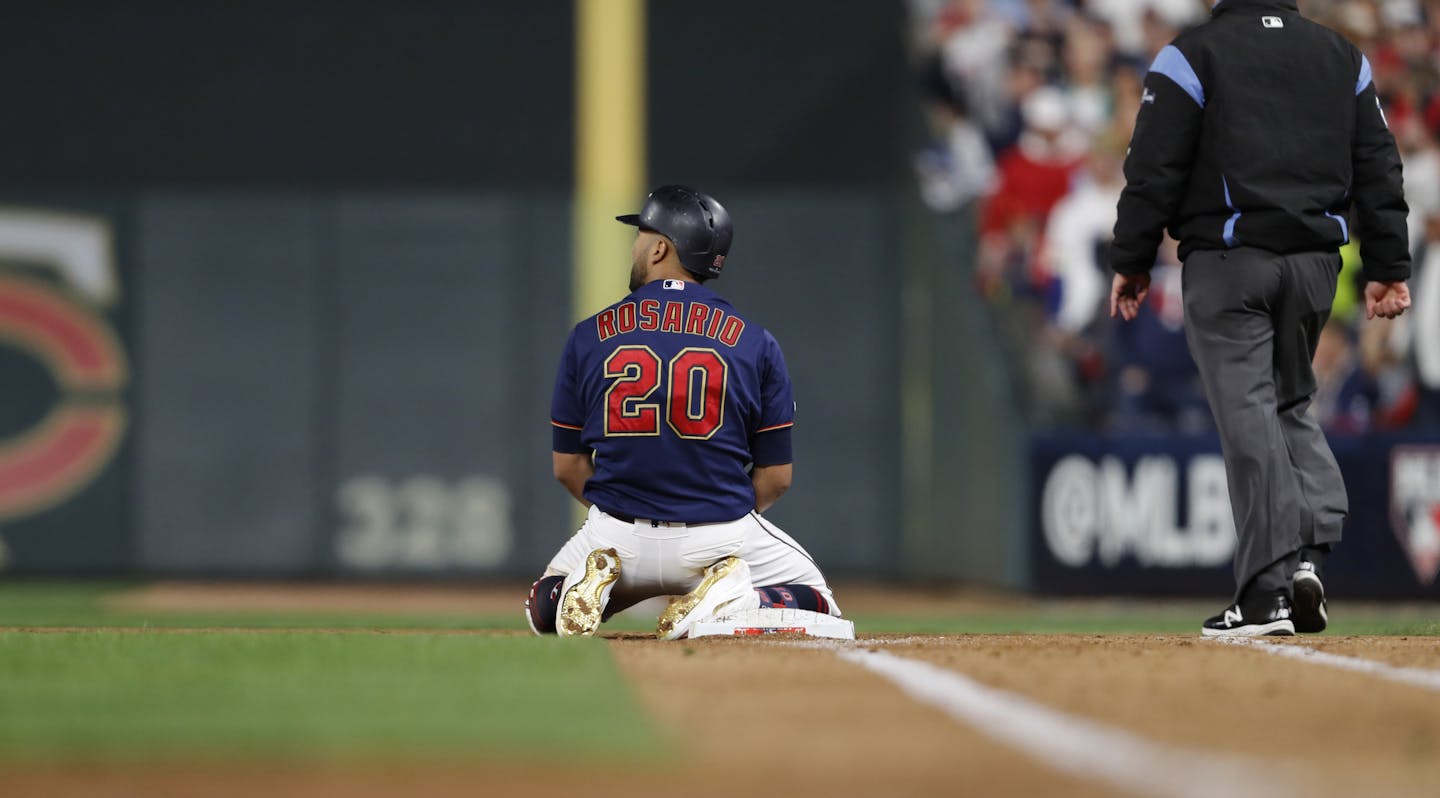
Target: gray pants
1252,320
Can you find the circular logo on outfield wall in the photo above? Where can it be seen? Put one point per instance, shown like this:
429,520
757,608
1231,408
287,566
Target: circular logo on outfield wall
56,276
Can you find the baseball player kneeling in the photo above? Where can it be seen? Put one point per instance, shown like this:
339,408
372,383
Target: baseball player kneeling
672,417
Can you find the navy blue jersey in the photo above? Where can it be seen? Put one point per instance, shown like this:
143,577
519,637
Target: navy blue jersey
675,394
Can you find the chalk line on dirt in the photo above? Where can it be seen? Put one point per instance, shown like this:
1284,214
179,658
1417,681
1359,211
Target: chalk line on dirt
1071,744
1417,677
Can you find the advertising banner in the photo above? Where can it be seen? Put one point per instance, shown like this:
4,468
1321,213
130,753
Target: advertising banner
1150,515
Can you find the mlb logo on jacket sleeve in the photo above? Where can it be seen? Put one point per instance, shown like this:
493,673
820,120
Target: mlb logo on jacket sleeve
1272,22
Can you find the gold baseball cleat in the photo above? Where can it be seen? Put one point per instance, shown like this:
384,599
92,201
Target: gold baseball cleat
583,605
725,585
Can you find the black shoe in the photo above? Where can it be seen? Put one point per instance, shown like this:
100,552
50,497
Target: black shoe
1255,618
1309,614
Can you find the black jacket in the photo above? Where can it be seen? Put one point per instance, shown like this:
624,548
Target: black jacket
1261,128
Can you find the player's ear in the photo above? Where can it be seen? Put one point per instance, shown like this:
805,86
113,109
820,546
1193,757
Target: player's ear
660,250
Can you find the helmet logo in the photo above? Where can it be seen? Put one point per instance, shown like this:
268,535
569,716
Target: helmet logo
719,263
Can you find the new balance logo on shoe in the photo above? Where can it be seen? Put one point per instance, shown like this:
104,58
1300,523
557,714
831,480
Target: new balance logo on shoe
1266,615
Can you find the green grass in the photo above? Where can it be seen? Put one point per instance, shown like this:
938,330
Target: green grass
1395,627
100,690
145,695
1037,623
82,604
1367,623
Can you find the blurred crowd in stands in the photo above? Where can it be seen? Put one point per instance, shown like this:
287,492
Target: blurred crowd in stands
1031,104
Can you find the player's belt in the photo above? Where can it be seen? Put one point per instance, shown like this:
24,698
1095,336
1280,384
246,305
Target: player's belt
630,519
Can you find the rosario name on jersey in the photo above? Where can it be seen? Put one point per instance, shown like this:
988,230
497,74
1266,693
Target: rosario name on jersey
675,394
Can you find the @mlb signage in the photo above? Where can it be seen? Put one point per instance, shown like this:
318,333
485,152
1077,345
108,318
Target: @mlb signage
1150,515
1139,515
1107,510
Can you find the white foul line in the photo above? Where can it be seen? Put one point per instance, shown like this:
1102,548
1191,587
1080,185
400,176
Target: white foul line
1077,746
1418,677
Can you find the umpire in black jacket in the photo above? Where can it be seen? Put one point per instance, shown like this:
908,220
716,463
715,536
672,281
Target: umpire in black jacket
1257,132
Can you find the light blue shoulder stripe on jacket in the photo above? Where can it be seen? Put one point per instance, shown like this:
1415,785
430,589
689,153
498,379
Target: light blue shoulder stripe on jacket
1172,64
1365,78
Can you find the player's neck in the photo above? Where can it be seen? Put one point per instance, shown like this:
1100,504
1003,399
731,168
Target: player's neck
667,272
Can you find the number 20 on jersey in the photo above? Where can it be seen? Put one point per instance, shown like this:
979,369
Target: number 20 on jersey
693,382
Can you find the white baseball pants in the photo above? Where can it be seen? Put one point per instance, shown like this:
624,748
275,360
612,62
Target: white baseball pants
660,558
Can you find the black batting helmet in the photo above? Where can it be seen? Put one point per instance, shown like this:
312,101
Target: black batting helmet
699,226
